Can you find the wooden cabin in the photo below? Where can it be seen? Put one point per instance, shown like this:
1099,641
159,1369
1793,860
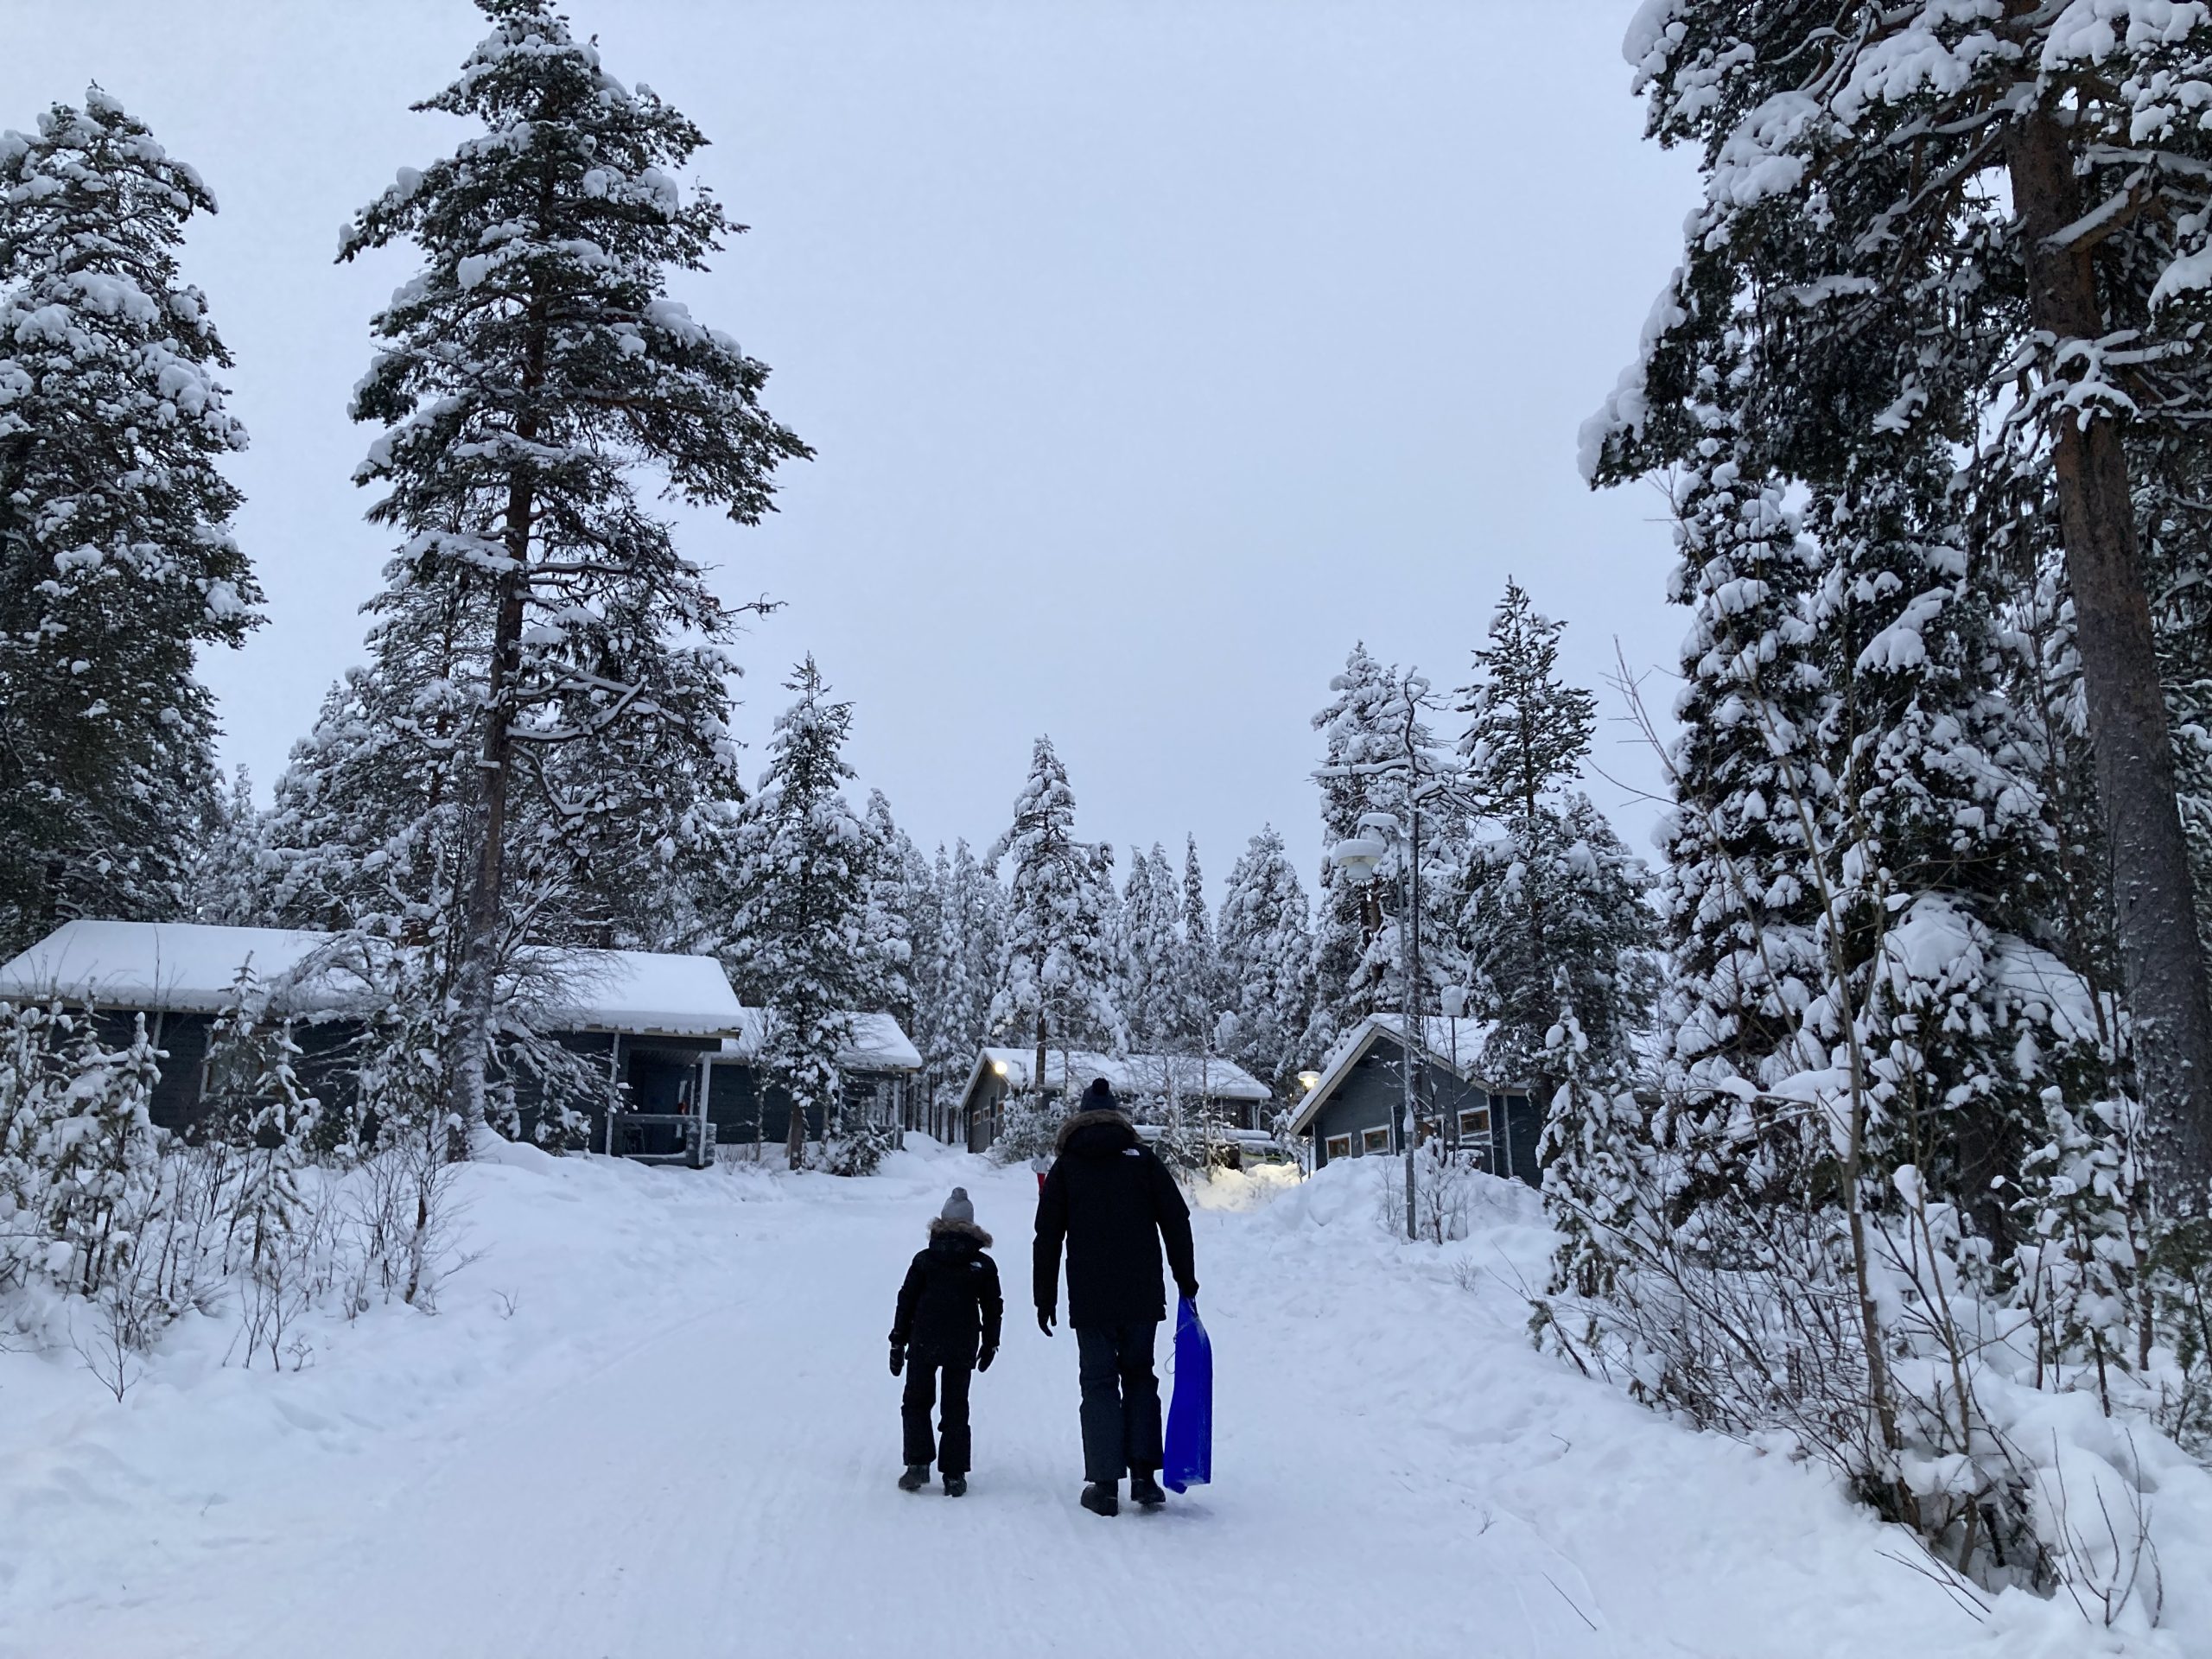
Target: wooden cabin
1356,1107
669,1029
1234,1101
878,1067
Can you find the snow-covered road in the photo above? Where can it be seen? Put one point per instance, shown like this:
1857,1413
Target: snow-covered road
655,1419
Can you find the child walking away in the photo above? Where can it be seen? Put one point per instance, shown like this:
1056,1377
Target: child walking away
946,1328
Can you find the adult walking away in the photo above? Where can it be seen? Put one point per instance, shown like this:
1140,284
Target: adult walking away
1112,1204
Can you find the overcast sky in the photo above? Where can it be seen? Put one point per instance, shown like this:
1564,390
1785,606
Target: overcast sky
1153,353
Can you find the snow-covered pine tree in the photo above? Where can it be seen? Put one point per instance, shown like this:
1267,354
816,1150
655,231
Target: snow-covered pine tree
1200,994
2171,474
1554,903
2056,141
36,1045
897,885
233,872
1266,945
1942,872
1739,894
370,839
1740,889
530,376
1386,777
934,974
973,911
1148,946
370,829
256,1115
1528,731
102,1166
796,941
117,563
948,1006
1353,727
1937,860
1593,1153
1057,987
1875,1040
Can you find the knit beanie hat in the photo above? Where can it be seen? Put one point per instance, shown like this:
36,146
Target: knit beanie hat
1099,1097
956,1208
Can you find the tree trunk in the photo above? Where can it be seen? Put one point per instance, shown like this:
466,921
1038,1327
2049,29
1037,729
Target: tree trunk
2161,962
57,875
1037,1078
475,982
795,1132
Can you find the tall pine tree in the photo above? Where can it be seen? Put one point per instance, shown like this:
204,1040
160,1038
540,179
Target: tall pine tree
1554,904
1150,952
1200,994
117,563
530,376
1057,984
797,939
1266,945
2027,183
1352,726
900,903
971,951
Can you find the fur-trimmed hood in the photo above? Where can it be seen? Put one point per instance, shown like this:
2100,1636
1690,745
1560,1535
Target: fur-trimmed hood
1115,1132
942,1229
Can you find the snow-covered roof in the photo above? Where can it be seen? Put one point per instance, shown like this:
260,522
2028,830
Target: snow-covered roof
1455,1045
190,968
174,967
1132,1076
644,992
1224,1132
878,1044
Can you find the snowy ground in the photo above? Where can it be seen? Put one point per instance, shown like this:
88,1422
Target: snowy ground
654,1420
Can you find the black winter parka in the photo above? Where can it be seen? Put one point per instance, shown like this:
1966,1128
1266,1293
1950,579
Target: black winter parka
1111,1202
950,1305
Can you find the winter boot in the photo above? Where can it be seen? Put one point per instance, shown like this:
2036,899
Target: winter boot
956,1485
1102,1498
1144,1490
916,1477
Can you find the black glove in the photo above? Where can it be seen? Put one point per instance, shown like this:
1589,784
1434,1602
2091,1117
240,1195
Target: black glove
898,1359
1046,1319
984,1360
1188,1288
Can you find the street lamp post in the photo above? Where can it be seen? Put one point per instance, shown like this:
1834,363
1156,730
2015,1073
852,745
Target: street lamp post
1409,1017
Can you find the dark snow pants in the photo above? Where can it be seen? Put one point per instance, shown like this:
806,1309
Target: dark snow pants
949,1451
1120,1399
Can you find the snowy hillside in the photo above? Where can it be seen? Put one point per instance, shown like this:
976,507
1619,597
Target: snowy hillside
652,1418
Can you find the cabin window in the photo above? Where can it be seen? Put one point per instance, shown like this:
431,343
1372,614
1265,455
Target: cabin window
1474,1122
1430,1128
1376,1141
1339,1145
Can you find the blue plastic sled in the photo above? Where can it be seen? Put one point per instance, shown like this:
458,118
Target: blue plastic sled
1188,1450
